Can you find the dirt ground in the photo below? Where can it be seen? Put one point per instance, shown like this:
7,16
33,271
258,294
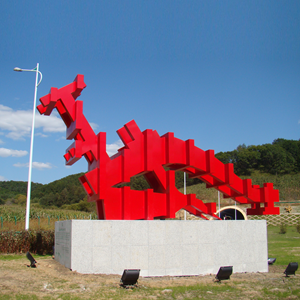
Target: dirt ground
51,280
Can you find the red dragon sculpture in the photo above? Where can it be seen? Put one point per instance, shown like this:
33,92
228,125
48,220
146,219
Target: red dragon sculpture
153,156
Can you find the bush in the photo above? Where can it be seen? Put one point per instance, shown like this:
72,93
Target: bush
298,227
83,205
283,228
35,241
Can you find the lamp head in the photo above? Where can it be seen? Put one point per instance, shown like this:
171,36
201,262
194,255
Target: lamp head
18,69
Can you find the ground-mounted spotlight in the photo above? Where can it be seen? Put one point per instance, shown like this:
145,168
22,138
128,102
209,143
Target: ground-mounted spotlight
224,273
31,259
291,269
271,261
130,277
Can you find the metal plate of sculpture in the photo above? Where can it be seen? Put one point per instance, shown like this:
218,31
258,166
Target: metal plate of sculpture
153,156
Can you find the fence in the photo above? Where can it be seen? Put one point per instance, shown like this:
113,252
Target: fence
277,220
289,219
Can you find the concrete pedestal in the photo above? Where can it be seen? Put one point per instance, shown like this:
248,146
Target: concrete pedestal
159,248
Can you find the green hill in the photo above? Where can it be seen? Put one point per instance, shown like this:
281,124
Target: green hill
62,192
288,186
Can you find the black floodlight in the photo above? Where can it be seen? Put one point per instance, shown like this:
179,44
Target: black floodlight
291,269
31,259
224,273
271,261
130,276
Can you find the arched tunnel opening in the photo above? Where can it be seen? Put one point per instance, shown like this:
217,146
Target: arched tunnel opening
232,213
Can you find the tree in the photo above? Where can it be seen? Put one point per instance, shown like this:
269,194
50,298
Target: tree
63,198
20,199
247,160
292,147
275,160
48,200
225,157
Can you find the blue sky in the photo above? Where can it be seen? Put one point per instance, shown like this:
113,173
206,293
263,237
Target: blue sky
222,73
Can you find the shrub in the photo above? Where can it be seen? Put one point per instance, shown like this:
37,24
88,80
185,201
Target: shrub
35,241
283,228
298,226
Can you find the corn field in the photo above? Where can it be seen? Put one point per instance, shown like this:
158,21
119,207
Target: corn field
13,217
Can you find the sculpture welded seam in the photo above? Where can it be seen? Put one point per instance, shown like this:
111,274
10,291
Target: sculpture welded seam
153,156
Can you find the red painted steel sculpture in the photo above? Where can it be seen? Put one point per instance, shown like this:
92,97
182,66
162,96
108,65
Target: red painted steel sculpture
153,156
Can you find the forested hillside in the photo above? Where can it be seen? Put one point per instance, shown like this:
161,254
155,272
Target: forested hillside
10,189
280,157
278,162
67,190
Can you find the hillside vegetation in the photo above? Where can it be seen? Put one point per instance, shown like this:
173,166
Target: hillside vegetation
278,162
280,157
288,186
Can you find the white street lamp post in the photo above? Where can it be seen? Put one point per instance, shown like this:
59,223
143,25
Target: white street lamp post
184,190
219,203
36,70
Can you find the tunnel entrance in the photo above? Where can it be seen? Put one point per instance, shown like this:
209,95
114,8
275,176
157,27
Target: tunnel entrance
232,213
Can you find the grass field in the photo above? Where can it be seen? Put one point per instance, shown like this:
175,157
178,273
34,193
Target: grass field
285,247
50,280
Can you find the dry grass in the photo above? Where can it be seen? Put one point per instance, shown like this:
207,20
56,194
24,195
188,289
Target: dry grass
50,280
35,224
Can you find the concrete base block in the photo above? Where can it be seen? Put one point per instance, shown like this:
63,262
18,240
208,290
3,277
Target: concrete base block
159,248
